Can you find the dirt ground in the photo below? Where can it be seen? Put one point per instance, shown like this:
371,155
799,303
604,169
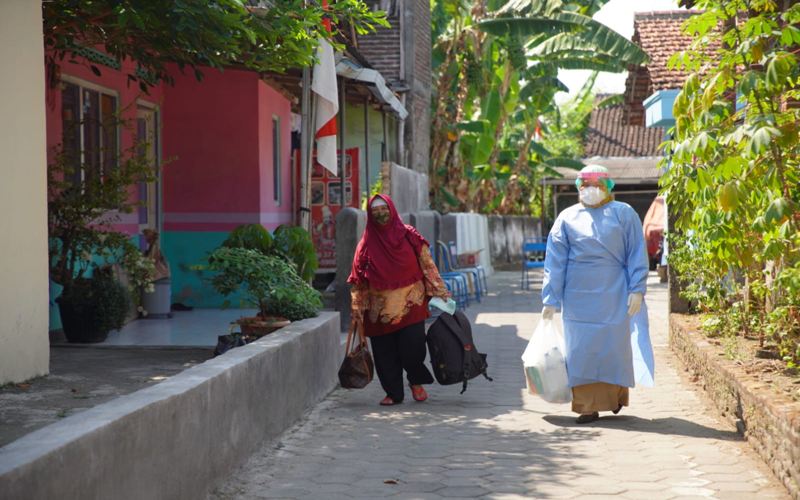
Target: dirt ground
743,351
83,377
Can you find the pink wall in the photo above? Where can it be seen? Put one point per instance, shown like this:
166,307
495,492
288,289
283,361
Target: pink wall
218,133
270,104
127,97
216,143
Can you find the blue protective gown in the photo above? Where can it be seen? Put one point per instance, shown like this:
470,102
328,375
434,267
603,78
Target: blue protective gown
595,258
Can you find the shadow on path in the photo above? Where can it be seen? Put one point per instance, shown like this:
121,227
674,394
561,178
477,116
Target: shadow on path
667,426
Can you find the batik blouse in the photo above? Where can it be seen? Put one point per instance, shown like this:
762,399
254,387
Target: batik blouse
386,311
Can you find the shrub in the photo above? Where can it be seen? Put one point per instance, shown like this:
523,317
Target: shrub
101,300
268,282
295,243
250,236
291,243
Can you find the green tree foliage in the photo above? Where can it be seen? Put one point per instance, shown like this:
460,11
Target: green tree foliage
496,65
734,174
565,125
196,33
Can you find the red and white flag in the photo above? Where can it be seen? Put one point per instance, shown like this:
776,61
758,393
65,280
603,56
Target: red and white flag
326,103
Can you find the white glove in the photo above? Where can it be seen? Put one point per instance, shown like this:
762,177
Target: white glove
548,312
634,303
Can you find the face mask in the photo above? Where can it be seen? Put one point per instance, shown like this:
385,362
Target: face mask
592,195
381,218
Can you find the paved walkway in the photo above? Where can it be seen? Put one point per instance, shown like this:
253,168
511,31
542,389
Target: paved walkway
497,442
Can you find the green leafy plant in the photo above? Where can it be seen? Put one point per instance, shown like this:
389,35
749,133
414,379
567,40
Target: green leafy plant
496,66
733,178
252,237
377,188
195,34
82,214
97,305
269,283
292,243
295,243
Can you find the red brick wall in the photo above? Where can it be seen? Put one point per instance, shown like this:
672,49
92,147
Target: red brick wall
402,54
638,87
382,50
419,102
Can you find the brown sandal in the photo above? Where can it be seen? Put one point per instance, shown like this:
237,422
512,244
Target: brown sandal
585,419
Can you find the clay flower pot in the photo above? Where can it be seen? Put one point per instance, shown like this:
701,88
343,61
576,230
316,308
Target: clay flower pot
256,326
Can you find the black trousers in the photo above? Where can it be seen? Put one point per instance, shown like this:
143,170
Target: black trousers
397,351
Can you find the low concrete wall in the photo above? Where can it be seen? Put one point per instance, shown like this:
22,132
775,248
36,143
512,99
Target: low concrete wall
427,223
515,234
408,189
531,227
350,225
448,228
498,245
769,421
177,439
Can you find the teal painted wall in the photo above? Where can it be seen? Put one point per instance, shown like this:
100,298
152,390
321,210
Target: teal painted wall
185,249
56,289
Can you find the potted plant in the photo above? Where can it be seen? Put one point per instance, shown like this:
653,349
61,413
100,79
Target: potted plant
91,307
292,243
269,283
82,211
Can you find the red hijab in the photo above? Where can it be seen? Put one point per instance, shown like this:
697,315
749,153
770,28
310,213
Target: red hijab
387,256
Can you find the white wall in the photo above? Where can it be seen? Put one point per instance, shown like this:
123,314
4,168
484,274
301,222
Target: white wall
24,344
472,235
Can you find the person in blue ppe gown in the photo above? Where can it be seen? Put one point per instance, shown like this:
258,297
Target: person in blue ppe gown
595,270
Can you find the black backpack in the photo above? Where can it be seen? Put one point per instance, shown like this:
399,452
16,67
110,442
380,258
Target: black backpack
454,357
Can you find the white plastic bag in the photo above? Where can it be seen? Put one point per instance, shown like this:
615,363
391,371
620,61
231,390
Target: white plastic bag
546,364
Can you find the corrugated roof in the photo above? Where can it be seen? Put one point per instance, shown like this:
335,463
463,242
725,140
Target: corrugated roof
642,170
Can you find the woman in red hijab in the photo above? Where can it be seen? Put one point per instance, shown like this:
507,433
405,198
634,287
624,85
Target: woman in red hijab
392,279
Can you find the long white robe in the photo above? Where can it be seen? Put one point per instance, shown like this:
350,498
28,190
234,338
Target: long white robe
595,258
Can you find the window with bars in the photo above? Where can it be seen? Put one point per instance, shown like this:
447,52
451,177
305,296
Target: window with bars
90,133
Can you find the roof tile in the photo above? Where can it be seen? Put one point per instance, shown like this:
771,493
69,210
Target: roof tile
660,35
608,136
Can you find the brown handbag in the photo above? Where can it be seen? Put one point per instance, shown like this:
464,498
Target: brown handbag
357,368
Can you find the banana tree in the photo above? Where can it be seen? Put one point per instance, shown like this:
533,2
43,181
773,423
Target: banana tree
496,64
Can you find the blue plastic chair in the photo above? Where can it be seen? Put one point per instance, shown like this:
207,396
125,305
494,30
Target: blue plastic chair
446,265
481,271
456,282
457,286
533,254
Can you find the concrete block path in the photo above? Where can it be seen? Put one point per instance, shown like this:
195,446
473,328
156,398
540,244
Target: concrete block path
496,441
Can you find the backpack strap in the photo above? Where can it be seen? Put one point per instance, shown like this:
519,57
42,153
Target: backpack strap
459,326
466,326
